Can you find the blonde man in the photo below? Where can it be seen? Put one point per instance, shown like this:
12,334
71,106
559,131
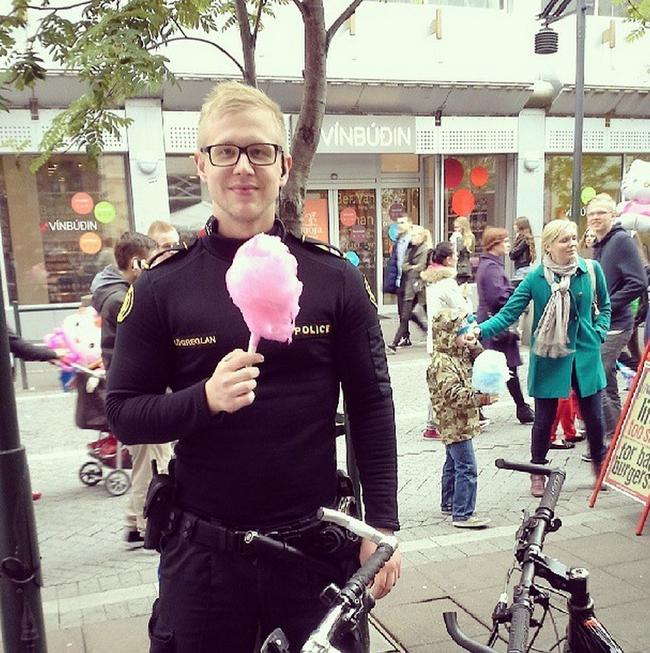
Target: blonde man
256,431
626,279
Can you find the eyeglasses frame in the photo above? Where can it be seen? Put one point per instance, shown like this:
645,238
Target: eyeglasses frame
243,150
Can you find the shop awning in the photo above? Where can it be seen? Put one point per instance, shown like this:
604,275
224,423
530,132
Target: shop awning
382,98
608,102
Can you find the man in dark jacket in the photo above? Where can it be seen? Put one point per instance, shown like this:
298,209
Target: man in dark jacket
626,280
109,289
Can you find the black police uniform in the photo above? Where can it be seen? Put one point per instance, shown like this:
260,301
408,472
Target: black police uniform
266,466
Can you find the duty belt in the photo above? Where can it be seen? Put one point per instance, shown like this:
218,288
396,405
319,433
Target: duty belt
213,534
325,547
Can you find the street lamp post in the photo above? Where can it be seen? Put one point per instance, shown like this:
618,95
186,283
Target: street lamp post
576,185
546,42
23,629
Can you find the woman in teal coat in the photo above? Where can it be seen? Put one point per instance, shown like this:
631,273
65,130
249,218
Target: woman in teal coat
569,325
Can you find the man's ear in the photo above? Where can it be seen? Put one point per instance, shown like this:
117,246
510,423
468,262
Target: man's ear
285,167
199,161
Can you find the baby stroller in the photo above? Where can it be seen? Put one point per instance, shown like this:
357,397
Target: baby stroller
106,451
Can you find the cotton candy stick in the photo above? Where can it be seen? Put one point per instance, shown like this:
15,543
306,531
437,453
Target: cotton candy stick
263,284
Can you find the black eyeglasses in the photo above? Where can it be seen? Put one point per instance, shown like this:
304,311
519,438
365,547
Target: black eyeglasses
225,154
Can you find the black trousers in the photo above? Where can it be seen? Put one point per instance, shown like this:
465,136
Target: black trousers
214,601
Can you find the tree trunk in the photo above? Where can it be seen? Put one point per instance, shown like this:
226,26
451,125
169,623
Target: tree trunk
307,133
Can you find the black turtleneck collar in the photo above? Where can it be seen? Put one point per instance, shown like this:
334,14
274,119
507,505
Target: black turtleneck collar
222,245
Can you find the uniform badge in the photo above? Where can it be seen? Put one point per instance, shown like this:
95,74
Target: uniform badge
127,305
371,295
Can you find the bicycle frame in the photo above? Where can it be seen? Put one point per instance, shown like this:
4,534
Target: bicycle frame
585,633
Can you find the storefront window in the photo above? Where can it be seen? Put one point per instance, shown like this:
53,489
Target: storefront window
601,173
396,202
475,187
59,226
357,232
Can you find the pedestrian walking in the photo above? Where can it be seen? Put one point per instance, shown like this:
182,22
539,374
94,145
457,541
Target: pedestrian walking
494,289
621,263
523,253
109,289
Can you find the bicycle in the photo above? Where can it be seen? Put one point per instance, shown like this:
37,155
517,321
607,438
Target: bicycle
347,604
584,632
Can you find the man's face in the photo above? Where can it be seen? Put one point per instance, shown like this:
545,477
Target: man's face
166,241
404,225
599,218
243,195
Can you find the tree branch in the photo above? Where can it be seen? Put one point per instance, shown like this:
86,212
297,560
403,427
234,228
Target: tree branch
339,21
258,20
301,7
55,9
247,42
207,42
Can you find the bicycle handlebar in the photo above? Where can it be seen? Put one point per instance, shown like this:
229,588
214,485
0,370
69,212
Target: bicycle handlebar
529,468
352,599
451,623
348,603
357,527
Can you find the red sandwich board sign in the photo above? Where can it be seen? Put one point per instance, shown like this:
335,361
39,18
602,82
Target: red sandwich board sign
627,465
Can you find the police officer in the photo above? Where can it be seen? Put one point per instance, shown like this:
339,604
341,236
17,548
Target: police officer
256,431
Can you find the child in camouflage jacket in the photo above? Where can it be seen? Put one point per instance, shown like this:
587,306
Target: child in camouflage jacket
456,405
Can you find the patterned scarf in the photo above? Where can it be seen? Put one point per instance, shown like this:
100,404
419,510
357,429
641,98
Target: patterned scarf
552,333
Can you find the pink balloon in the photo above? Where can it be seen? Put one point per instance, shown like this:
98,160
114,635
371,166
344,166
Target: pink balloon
263,284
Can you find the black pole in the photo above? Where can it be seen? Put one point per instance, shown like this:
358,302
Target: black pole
23,629
576,187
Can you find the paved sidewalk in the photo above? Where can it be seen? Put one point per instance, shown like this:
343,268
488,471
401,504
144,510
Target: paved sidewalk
97,594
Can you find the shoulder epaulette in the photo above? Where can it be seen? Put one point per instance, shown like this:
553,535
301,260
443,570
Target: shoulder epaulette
325,247
178,250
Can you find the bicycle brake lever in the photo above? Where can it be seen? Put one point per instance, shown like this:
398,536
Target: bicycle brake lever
276,642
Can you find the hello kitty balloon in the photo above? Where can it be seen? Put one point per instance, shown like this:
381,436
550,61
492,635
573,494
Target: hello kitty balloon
80,335
634,211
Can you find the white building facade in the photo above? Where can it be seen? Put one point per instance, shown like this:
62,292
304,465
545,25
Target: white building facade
433,109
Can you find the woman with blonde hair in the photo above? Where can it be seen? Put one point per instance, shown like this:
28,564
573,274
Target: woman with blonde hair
565,345
464,243
523,253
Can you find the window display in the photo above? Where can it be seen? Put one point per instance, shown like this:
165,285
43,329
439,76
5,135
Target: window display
59,225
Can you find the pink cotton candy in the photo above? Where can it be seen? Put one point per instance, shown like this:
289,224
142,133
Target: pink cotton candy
263,284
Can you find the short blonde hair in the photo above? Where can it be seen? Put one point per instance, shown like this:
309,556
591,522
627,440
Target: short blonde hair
228,97
159,227
553,229
603,198
419,230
